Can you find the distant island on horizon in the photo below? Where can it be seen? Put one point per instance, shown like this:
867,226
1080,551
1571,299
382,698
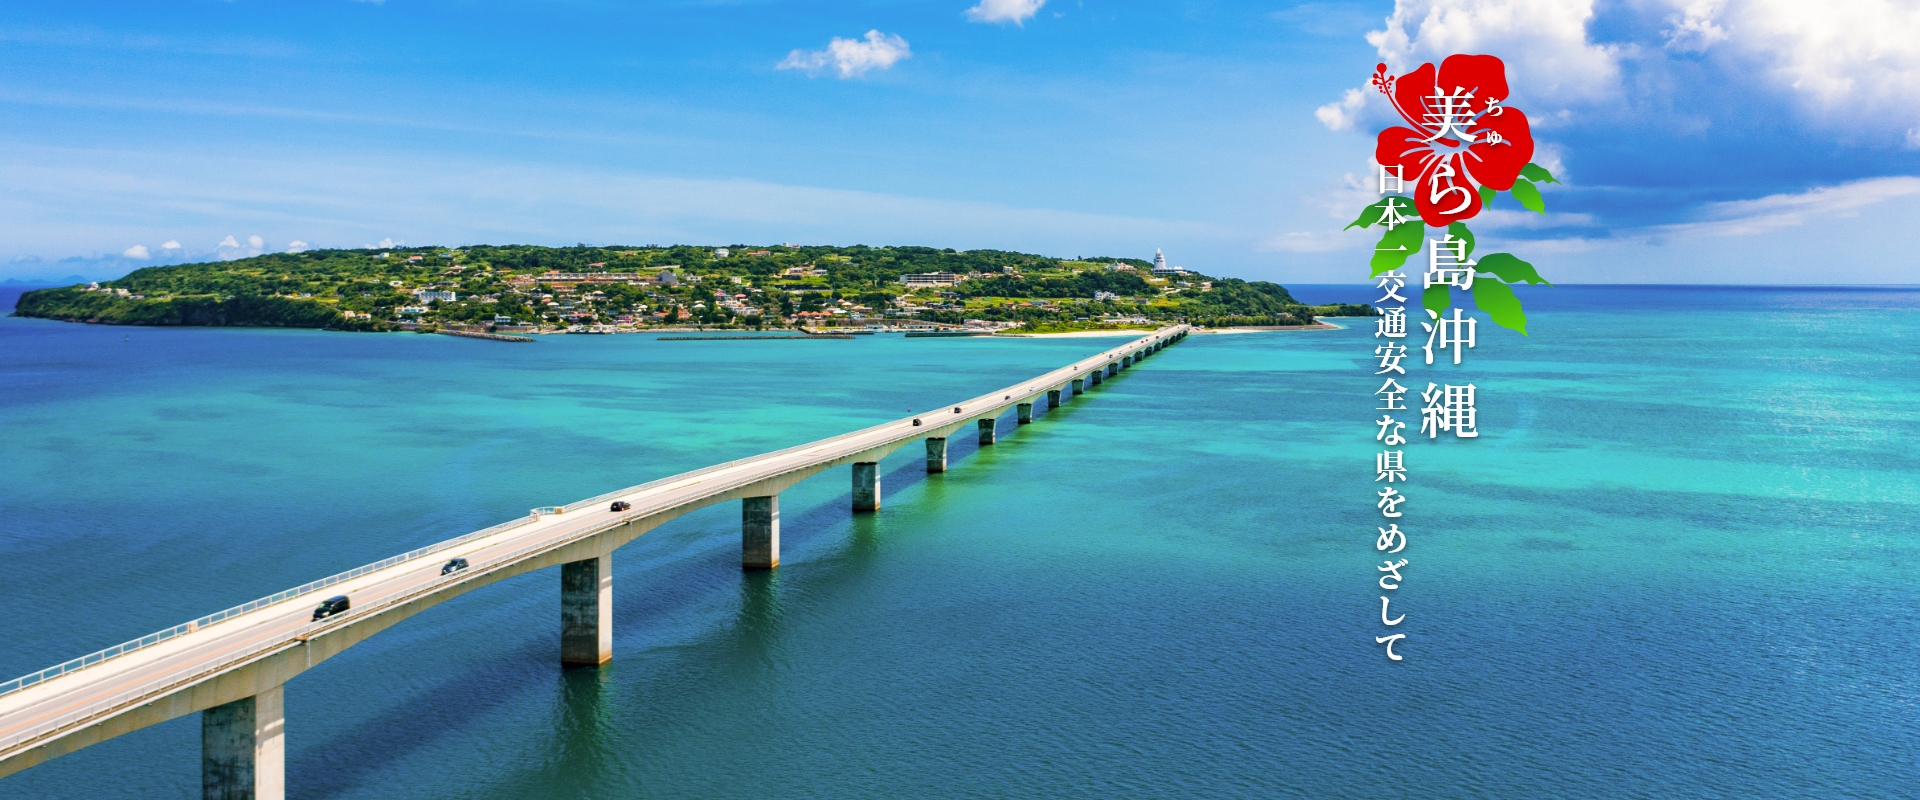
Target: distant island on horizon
528,288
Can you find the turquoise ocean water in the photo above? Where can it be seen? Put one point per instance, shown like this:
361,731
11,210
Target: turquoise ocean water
1678,562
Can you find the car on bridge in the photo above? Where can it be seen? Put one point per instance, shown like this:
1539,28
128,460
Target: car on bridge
333,605
452,566
621,505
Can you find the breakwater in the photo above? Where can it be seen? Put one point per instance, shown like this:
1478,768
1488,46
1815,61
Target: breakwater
498,337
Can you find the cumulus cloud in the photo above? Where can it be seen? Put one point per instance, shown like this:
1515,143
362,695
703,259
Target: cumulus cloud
1695,29
1339,116
296,246
1550,59
137,251
851,58
170,245
231,248
1014,11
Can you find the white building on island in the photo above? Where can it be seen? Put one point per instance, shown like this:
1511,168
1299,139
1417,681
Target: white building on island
1160,268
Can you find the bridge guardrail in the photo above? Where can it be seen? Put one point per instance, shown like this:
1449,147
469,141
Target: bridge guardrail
157,637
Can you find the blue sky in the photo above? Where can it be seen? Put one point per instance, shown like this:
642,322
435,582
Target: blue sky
1706,141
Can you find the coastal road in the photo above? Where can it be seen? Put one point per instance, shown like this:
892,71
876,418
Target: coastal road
37,717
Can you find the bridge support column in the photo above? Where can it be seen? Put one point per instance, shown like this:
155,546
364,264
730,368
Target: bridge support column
986,431
760,532
586,611
1112,370
1026,413
243,749
1053,398
866,486
1079,385
1126,361
937,455
1094,378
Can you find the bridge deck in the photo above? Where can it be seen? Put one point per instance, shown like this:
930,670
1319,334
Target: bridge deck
35,719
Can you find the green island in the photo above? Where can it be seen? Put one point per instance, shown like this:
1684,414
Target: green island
525,288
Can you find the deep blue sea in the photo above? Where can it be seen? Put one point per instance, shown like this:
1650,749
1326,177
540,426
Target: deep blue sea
1678,562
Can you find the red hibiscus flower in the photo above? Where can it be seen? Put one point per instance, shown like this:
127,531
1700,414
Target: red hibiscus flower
1462,137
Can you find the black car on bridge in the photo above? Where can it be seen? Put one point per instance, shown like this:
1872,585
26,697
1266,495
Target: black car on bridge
331,606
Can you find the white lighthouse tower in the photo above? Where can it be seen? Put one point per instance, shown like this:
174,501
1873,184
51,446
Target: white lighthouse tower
1160,267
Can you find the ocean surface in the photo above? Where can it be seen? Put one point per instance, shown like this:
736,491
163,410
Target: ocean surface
1678,563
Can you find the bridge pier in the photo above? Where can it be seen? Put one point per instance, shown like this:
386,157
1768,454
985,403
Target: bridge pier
586,611
1026,413
1053,398
986,431
243,748
1079,385
1126,361
937,454
866,486
1112,369
1095,377
760,532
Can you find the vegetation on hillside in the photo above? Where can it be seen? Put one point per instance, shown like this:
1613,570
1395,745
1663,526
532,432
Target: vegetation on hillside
745,286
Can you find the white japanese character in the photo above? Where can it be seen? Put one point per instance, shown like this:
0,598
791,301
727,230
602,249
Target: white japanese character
1390,429
1392,324
1383,614
1391,537
1392,568
1457,333
1389,464
1389,504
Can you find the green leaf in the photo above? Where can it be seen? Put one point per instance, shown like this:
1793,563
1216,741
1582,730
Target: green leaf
1437,298
1486,197
1537,173
1370,216
1500,303
1510,269
1459,231
1396,245
1528,195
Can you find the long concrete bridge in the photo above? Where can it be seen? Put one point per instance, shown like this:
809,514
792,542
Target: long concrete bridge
230,666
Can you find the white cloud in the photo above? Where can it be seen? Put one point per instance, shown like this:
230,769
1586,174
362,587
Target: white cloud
1014,11
1851,55
1749,217
170,245
137,251
230,248
1544,42
1694,30
851,57
296,246
390,242
1339,116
